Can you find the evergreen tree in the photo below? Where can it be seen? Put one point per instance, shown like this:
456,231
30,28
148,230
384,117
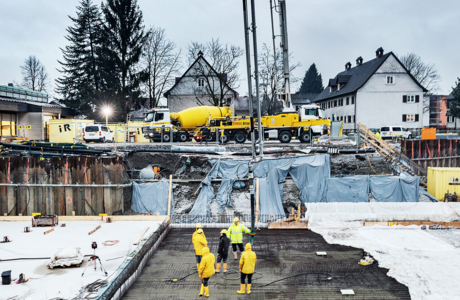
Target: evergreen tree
312,82
80,84
453,105
125,38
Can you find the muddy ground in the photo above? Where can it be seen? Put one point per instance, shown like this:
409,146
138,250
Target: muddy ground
196,167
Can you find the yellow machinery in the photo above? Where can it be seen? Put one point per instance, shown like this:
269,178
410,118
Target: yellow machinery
443,180
67,130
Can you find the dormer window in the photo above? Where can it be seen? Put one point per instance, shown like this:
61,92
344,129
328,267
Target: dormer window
390,80
200,82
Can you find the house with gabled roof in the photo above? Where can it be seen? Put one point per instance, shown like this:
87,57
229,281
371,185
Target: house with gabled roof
200,84
376,93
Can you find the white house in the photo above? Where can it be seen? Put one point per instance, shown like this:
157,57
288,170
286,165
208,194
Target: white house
375,93
199,85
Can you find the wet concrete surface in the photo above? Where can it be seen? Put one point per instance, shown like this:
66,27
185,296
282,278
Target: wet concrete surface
280,253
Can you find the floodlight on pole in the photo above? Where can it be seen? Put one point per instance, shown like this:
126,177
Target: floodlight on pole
107,111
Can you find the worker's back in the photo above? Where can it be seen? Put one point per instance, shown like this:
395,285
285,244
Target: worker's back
199,241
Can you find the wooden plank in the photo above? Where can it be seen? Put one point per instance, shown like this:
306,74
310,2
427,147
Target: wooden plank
141,236
149,218
286,225
48,231
108,201
376,223
94,230
169,195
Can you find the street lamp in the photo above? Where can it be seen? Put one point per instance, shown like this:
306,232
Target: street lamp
107,111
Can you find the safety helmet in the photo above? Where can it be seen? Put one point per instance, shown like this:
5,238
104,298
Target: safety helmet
236,220
223,231
198,225
200,230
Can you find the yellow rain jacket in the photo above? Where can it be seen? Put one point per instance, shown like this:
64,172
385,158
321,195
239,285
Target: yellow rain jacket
248,260
235,233
199,241
207,264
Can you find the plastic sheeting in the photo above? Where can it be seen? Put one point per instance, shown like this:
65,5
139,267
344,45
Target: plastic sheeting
231,171
337,214
395,189
151,197
348,189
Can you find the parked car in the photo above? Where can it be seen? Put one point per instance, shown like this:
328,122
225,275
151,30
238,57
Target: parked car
97,133
389,132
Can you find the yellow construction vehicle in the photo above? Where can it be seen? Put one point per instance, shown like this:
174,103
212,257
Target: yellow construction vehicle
304,124
162,125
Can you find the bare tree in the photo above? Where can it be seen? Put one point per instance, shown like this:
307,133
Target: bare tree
217,81
34,75
271,79
426,74
161,63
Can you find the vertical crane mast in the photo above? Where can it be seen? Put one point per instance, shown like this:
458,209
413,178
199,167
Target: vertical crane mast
285,48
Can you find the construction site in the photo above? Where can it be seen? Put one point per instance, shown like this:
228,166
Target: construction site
112,211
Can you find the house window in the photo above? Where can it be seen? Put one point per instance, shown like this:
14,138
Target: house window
329,104
353,118
335,103
341,102
410,118
349,119
352,100
411,99
390,80
450,119
201,82
348,100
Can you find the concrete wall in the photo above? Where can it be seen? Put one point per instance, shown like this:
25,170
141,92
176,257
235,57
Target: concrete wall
35,119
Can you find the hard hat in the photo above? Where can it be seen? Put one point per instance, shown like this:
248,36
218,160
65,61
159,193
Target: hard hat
223,231
198,225
236,220
200,230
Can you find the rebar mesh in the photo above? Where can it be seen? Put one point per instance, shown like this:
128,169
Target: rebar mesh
280,253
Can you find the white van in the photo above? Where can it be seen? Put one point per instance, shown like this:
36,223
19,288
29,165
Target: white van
390,132
97,133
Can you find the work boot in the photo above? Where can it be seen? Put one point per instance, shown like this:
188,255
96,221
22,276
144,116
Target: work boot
218,268
225,267
201,290
249,288
235,254
206,291
242,289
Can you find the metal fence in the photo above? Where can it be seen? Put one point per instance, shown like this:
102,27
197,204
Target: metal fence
184,220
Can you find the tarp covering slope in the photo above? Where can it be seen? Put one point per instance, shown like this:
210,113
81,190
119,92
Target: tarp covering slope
151,197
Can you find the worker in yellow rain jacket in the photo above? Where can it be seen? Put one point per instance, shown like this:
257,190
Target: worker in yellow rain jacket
206,270
235,233
247,266
199,241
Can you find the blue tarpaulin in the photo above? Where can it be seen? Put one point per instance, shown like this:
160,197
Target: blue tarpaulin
151,197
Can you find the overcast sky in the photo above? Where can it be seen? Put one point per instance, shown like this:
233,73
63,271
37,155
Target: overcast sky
327,32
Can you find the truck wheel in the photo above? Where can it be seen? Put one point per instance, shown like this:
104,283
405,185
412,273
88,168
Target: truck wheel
225,138
285,137
240,137
305,137
182,137
103,140
166,137
210,138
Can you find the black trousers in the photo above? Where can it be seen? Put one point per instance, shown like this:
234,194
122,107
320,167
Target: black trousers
243,278
240,246
205,281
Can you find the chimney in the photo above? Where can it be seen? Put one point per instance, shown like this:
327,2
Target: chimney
379,52
10,84
347,66
359,61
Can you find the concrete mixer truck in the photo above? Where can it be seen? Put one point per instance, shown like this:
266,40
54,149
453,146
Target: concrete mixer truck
162,125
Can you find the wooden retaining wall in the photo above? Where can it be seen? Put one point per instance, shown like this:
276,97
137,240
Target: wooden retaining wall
433,153
62,199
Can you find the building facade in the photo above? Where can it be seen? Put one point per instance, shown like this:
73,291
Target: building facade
438,111
198,85
376,93
27,113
